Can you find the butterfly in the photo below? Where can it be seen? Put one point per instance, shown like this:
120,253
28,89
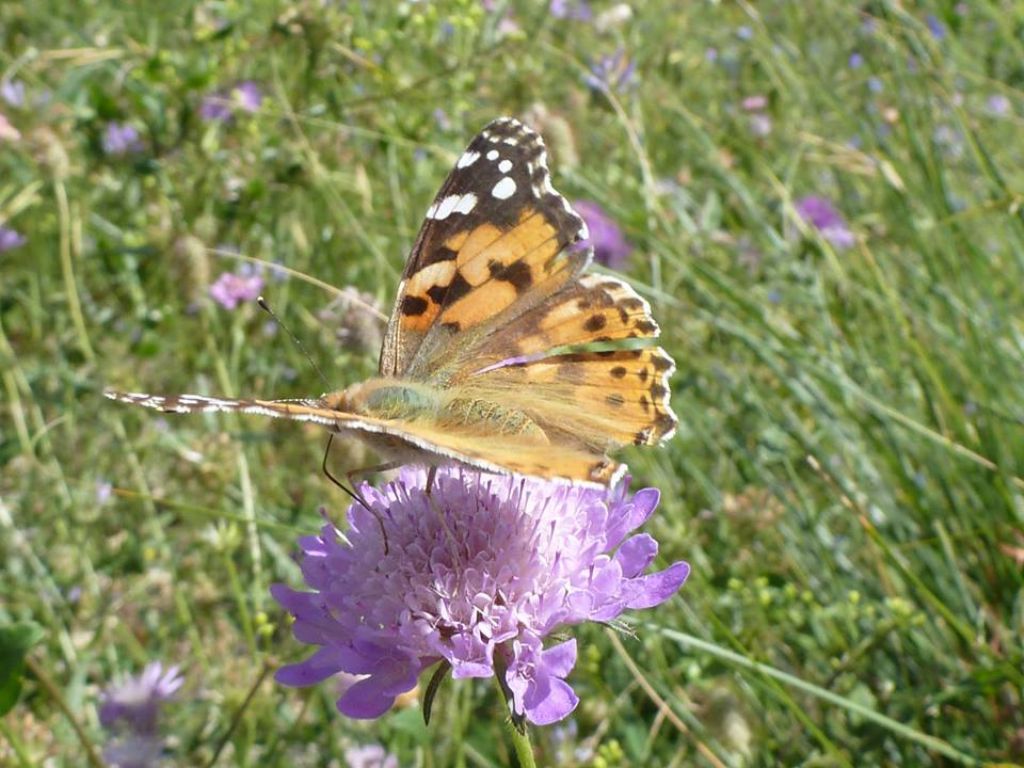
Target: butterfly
502,351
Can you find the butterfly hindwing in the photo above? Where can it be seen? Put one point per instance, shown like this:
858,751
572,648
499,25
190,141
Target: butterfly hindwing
495,242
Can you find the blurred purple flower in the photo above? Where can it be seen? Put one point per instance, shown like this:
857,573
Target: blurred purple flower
935,26
120,139
875,84
856,61
13,92
104,491
711,54
754,103
819,213
576,10
744,33
10,238
370,756
133,751
248,96
480,570
220,105
760,125
134,702
615,73
605,236
998,105
232,288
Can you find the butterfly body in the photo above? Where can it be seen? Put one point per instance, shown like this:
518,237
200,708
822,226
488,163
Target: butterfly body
502,352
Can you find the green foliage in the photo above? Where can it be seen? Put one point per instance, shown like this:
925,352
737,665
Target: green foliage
847,479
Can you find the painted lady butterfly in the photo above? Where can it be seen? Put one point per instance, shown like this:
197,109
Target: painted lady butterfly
489,357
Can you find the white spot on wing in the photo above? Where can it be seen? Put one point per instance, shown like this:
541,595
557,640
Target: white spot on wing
505,166
466,203
446,207
492,155
467,159
504,189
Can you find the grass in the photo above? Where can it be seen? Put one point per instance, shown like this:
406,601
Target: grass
847,479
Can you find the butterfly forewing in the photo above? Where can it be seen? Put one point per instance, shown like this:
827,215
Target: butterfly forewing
494,243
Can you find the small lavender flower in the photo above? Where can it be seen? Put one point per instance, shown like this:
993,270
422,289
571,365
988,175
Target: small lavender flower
370,756
10,238
120,139
220,106
875,84
856,61
104,491
819,213
616,73
754,103
576,10
476,574
760,125
233,288
745,33
998,105
134,702
935,26
13,92
606,238
248,96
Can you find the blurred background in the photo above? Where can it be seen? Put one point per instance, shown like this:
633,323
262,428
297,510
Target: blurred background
822,203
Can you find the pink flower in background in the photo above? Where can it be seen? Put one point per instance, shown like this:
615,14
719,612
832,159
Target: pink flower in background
233,288
10,238
221,105
121,139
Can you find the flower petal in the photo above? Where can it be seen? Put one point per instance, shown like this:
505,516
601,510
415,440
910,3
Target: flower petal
656,588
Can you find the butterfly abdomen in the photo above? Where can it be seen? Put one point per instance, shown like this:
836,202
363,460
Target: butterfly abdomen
391,399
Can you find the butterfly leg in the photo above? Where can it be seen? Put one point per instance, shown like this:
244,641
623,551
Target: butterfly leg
431,474
351,477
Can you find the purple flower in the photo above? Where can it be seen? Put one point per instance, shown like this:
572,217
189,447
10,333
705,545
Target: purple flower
745,33
10,238
248,96
13,92
935,26
760,125
856,61
220,105
231,288
820,214
120,139
875,84
610,246
577,10
998,105
612,73
134,702
754,103
476,574
370,756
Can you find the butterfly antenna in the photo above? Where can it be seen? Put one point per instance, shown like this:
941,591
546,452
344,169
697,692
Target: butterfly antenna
302,347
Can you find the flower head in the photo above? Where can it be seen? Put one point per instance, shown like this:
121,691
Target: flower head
232,288
10,238
13,92
615,72
606,238
133,751
135,702
577,10
220,106
370,756
818,212
120,139
476,574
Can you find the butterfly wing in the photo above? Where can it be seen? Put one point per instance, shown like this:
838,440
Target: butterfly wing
516,453
495,243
